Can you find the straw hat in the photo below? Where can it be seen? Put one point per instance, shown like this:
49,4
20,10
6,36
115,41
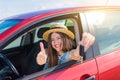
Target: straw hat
58,28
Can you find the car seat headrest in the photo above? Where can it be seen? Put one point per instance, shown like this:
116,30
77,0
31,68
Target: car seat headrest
41,31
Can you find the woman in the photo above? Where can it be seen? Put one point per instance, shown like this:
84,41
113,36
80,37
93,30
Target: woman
61,46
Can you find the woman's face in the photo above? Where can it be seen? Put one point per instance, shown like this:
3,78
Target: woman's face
57,42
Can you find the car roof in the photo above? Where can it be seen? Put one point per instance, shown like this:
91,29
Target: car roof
32,14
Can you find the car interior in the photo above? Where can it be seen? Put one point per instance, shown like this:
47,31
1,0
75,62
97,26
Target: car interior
24,57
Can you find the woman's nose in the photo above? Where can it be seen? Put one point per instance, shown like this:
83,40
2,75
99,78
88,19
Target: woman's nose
55,41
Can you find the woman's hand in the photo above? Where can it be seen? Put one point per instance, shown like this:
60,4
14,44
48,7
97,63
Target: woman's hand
41,57
87,40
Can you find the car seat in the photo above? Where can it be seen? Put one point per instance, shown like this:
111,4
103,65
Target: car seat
30,66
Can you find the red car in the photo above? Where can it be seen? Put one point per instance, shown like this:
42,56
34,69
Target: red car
20,36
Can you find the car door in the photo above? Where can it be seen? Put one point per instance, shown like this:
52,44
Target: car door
71,70
106,27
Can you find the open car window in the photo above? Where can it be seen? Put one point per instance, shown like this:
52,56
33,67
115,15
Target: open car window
71,25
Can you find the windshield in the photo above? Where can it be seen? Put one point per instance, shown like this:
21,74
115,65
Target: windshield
6,24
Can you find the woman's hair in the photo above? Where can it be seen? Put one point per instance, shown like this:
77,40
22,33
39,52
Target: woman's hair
68,44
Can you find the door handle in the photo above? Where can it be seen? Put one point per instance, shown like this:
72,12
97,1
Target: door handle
90,78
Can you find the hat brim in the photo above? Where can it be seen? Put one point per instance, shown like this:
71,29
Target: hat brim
65,31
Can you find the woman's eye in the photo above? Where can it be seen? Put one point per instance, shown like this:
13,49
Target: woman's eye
55,39
59,38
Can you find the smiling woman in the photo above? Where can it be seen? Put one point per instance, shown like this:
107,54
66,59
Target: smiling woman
61,43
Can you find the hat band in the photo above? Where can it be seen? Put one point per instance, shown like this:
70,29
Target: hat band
58,28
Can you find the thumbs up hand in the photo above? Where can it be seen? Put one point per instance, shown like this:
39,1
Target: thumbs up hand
41,57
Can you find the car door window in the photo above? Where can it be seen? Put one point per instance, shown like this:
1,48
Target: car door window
15,43
69,22
107,26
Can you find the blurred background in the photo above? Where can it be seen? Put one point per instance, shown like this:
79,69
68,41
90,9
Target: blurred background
14,7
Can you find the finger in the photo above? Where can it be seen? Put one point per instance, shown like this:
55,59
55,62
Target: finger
84,38
40,59
42,47
89,42
79,43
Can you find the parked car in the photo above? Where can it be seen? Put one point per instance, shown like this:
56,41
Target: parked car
20,36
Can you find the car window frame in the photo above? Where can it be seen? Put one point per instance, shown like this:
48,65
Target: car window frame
88,28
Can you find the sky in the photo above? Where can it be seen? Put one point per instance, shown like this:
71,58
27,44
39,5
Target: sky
14,7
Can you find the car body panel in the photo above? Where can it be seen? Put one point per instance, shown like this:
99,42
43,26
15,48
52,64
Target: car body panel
111,66
76,72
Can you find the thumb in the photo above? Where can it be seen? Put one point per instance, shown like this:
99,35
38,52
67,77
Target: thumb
79,43
42,47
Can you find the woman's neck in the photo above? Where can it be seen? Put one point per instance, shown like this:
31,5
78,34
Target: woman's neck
60,53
